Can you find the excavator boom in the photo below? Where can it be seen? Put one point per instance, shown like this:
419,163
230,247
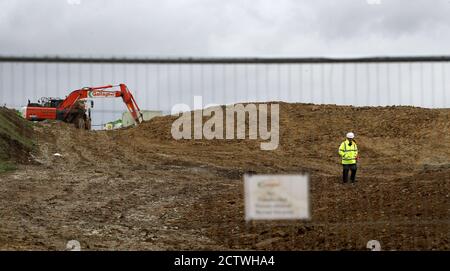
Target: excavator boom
131,104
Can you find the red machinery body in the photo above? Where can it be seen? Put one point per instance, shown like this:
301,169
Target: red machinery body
73,109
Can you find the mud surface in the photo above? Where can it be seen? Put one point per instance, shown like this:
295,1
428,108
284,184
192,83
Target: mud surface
138,189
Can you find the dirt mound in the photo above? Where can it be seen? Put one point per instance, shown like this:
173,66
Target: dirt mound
140,189
16,139
406,137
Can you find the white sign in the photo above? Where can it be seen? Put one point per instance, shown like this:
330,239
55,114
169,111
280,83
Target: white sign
275,197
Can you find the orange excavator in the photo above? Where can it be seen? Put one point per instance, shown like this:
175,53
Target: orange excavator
74,110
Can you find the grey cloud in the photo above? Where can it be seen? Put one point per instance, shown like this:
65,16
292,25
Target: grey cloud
223,28
357,19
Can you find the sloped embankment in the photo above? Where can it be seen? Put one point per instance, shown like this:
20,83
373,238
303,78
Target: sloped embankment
16,139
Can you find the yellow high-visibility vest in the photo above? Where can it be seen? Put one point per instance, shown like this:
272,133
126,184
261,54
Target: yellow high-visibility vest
348,153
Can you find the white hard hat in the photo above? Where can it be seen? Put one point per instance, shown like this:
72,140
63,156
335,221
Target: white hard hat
350,135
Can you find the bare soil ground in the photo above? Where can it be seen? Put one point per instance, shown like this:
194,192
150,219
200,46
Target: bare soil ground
139,189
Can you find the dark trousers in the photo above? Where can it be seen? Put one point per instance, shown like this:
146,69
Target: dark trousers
345,171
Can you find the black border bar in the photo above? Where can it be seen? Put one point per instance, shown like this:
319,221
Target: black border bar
225,60
160,260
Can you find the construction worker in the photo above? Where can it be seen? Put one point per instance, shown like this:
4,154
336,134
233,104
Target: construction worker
349,154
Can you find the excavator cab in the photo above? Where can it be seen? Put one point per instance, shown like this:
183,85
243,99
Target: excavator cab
53,102
46,102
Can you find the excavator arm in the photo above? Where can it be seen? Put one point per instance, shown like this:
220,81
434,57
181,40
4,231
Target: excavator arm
131,104
102,92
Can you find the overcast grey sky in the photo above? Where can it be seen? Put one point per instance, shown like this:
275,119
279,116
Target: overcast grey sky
224,28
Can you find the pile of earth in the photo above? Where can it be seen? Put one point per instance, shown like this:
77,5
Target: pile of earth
392,139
